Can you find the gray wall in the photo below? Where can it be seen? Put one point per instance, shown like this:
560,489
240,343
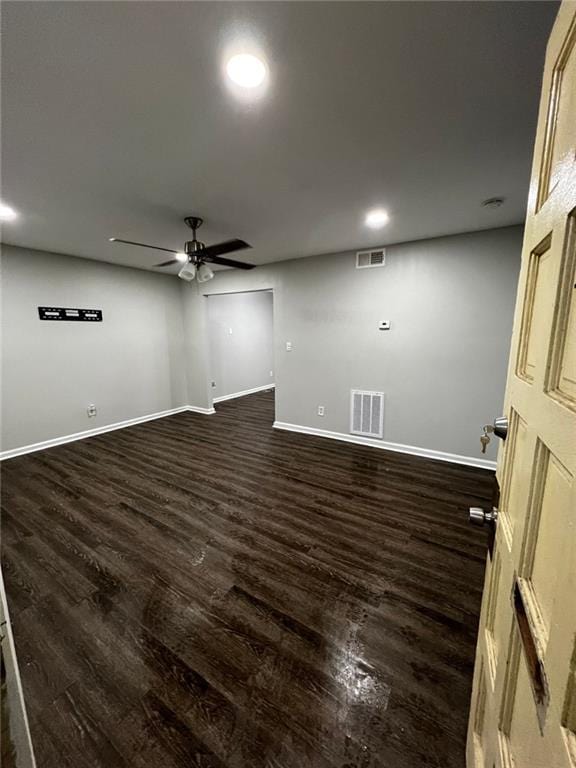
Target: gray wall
443,363
130,365
240,341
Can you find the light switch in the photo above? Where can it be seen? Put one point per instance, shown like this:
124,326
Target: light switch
288,346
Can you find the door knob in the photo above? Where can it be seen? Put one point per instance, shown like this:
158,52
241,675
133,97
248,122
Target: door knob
477,516
501,427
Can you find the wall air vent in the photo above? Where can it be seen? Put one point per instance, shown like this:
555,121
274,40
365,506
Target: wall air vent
374,258
367,413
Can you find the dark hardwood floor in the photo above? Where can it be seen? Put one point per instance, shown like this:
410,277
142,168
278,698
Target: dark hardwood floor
208,591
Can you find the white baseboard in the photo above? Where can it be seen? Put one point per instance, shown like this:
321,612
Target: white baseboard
470,461
196,409
242,394
10,454
427,453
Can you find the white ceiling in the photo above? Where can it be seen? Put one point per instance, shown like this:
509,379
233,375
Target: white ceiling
116,121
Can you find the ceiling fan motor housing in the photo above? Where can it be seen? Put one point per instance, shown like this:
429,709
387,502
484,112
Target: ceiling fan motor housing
193,246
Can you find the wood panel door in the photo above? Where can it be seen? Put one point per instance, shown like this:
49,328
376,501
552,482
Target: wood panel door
523,712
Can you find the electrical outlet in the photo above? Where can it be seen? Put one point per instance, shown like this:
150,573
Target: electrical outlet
288,346
91,411
271,374
230,331
320,410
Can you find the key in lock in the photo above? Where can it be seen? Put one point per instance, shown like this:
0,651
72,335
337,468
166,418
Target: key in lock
485,436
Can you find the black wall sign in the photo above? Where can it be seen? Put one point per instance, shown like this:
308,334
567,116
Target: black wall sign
66,313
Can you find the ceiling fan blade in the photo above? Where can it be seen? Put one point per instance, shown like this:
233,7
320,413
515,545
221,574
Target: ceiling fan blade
168,263
227,262
142,245
227,247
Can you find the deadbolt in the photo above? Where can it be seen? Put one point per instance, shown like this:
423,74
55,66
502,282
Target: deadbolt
477,516
501,427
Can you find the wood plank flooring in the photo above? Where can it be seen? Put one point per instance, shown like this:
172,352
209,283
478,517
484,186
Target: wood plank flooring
207,591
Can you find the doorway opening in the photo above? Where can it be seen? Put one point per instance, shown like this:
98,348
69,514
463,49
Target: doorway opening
240,330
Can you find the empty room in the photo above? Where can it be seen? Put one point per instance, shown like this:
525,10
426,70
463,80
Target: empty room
288,384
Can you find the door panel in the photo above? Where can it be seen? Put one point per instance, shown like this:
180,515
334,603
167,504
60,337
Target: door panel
537,299
558,144
523,712
562,368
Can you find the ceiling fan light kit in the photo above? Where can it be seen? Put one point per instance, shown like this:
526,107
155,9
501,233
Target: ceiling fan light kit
204,273
188,272
197,253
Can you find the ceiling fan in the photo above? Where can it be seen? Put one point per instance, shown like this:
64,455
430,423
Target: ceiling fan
196,255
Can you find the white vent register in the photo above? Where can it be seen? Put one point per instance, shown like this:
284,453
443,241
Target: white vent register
374,258
367,413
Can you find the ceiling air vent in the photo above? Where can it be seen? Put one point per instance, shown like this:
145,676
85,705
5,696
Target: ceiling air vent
375,258
367,413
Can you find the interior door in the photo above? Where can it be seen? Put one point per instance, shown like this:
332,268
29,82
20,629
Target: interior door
523,712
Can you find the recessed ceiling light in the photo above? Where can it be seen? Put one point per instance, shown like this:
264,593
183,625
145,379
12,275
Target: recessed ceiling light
376,218
7,213
181,257
246,70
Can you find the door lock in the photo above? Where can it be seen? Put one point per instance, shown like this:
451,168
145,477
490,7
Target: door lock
477,516
501,427
498,428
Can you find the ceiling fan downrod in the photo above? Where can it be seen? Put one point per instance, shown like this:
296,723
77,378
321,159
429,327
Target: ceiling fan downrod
193,246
